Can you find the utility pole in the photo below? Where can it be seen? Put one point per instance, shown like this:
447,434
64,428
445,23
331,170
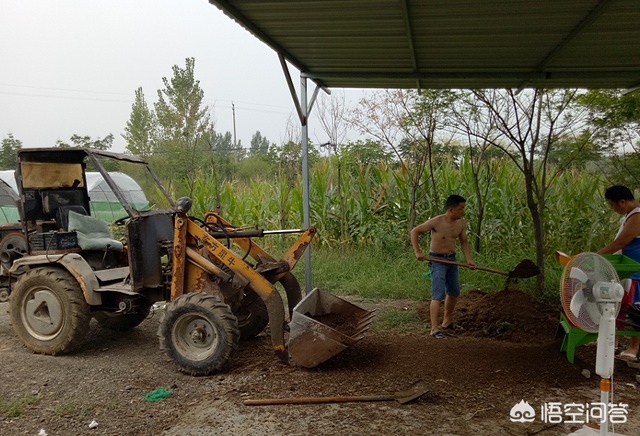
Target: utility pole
235,150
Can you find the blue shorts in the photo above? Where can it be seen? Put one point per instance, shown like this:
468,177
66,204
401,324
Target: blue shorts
444,277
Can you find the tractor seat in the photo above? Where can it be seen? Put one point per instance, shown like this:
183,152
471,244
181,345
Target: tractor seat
62,215
93,233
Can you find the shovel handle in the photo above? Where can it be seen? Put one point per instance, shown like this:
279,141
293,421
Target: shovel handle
307,400
466,265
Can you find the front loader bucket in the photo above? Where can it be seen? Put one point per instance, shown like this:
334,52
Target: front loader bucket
324,325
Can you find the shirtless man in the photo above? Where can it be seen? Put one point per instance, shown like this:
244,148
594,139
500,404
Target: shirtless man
445,229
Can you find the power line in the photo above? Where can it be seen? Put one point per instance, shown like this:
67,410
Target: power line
246,102
64,89
123,94
60,97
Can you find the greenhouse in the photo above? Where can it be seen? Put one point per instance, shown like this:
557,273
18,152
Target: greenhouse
8,208
104,204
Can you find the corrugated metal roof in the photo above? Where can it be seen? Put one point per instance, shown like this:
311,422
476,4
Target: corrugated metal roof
450,43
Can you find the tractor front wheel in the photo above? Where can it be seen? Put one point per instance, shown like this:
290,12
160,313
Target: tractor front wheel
199,333
48,310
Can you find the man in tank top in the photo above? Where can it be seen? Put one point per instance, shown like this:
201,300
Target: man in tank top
627,242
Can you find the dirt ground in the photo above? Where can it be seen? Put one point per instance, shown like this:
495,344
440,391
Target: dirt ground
474,379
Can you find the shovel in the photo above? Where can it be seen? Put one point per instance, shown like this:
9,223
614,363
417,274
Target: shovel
414,391
523,270
465,265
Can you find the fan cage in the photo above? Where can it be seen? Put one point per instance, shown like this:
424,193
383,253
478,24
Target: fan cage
597,269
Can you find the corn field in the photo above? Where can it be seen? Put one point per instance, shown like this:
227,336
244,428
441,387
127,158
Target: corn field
377,198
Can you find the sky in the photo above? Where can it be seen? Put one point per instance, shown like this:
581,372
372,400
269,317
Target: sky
72,67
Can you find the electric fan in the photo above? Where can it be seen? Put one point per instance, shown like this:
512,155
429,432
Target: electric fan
591,295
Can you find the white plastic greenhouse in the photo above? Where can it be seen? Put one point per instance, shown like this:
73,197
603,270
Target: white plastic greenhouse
103,202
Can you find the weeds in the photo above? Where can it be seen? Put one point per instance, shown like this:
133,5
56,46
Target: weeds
393,318
503,326
65,408
17,406
87,411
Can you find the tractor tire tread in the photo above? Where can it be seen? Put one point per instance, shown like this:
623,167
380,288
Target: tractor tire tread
228,330
78,310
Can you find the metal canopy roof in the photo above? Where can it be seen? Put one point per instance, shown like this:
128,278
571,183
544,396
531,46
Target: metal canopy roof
449,43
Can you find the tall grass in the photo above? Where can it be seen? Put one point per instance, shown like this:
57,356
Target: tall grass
378,262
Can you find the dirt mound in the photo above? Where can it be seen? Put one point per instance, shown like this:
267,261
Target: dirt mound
507,315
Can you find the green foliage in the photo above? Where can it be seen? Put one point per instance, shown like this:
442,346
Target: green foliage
256,167
88,410
184,125
395,318
179,106
141,127
259,145
8,154
377,262
86,142
16,407
98,144
360,155
503,326
364,198
615,119
65,408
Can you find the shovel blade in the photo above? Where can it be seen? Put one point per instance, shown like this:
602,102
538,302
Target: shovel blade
414,391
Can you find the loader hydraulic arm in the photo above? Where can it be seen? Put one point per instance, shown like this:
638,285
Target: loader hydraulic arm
186,228
291,257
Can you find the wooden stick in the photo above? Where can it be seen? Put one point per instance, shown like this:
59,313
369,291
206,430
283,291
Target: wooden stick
306,400
466,265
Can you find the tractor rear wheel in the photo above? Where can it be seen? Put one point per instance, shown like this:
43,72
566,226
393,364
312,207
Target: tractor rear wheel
199,333
48,310
252,316
122,323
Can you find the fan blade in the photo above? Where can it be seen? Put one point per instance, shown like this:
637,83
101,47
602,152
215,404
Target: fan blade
578,274
594,313
579,301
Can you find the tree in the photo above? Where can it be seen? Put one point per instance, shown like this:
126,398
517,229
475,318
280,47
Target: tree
141,128
98,144
407,122
221,143
480,132
10,147
362,154
332,112
259,145
527,127
615,120
184,122
86,142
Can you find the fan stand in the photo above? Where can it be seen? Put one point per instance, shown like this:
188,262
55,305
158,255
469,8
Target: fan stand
605,358
594,301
